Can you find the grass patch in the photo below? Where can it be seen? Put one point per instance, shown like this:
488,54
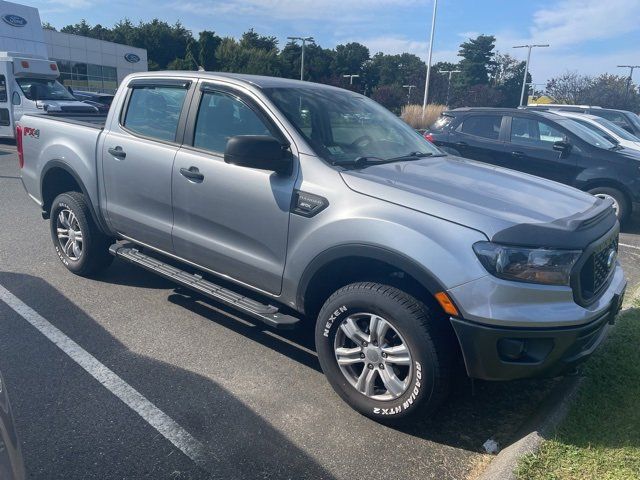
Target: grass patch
600,438
412,114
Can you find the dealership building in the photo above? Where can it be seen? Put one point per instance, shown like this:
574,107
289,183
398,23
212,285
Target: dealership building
84,63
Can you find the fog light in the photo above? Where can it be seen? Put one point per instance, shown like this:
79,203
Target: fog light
512,349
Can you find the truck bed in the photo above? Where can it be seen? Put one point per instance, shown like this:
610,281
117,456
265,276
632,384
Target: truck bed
93,121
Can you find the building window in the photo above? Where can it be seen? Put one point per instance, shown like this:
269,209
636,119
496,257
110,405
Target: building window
88,76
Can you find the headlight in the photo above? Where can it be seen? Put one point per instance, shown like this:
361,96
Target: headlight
534,265
52,108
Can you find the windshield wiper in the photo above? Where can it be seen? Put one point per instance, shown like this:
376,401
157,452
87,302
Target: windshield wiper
359,162
410,156
366,161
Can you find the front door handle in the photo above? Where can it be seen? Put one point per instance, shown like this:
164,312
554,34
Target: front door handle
192,173
118,152
517,154
462,144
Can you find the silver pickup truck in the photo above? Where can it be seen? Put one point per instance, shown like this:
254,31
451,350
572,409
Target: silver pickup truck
304,205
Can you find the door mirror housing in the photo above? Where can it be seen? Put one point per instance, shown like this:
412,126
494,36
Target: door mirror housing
563,147
258,151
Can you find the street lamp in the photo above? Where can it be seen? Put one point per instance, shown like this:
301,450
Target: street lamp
351,77
409,94
304,40
450,72
426,85
526,66
631,69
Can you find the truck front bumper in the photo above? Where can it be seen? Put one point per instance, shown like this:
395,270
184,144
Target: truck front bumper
503,349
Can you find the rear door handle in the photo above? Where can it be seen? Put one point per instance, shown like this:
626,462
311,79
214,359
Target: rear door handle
118,152
192,173
517,154
462,144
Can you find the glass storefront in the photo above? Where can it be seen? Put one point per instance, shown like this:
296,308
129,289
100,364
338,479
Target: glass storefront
87,76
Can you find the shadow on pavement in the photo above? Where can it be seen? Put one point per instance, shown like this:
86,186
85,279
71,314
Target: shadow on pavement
242,444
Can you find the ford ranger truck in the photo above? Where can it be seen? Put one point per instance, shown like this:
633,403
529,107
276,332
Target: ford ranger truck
308,206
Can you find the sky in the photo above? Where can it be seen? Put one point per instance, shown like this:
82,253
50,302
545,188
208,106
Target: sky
587,36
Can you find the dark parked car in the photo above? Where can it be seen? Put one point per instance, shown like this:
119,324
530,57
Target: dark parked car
102,101
544,144
623,118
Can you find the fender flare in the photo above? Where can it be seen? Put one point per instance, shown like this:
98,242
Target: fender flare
374,252
67,168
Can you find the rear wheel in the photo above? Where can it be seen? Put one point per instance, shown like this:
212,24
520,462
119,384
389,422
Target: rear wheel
621,204
385,353
79,243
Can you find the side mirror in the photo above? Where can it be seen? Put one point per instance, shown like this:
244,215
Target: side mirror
15,99
563,147
257,151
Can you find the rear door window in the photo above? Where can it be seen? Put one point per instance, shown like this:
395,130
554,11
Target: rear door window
485,126
442,123
155,111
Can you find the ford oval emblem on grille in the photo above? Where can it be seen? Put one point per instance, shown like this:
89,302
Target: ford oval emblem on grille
14,20
132,58
611,258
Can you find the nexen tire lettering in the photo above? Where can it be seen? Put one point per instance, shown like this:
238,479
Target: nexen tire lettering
332,319
409,401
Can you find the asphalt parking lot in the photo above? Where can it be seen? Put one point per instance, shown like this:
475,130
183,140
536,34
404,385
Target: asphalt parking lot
253,400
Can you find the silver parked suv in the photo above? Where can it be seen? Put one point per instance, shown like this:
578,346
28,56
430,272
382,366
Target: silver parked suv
306,205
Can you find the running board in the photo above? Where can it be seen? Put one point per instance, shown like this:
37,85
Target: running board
268,314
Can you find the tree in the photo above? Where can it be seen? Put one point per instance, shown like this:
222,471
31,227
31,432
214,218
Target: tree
506,76
208,42
389,96
569,88
251,40
233,57
48,26
477,59
349,59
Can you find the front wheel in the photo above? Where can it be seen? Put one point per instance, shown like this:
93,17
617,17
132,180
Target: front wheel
79,243
384,352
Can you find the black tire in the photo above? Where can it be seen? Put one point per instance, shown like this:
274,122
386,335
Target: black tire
624,206
94,255
425,331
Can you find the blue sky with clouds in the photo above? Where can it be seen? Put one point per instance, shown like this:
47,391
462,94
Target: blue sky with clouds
590,36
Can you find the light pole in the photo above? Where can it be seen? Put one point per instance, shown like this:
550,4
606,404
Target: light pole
304,40
409,94
351,77
526,66
450,72
631,69
433,31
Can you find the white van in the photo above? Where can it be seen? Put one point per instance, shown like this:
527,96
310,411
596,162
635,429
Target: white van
28,84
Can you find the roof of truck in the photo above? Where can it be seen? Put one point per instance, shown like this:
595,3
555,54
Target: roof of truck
259,81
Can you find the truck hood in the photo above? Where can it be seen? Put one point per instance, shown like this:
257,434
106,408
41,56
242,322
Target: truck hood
505,205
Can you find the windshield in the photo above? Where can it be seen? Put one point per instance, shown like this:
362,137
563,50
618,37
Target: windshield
342,126
43,89
585,134
635,119
619,131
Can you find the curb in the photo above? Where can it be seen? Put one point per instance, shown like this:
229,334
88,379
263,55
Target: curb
540,427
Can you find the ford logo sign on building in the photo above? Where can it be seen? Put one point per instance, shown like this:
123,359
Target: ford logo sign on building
14,20
132,58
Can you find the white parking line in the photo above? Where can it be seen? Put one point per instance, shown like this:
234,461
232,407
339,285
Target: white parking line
628,246
155,417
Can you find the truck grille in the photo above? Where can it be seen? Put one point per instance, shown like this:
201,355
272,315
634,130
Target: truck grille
598,267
